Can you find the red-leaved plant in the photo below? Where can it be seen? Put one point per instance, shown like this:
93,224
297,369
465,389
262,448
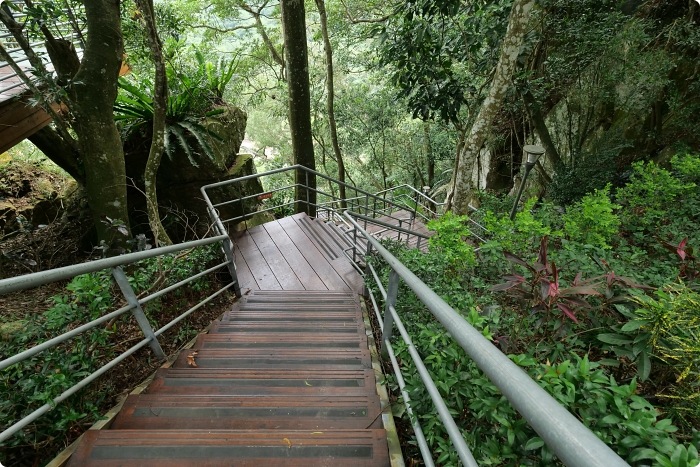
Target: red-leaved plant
545,292
688,269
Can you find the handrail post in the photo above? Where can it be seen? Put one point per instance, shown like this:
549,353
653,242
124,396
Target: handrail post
227,246
137,311
228,251
308,203
354,245
391,293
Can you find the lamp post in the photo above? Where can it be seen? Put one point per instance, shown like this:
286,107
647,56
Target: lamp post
532,154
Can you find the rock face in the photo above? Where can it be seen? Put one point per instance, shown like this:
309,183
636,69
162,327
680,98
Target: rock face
182,206
33,196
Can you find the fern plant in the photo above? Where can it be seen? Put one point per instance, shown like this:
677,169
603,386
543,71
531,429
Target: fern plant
134,111
215,76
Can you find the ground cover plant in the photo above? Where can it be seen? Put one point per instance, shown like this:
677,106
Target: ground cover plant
599,304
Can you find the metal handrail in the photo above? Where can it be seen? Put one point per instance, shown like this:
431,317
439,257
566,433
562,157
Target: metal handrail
133,304
573,443
367,196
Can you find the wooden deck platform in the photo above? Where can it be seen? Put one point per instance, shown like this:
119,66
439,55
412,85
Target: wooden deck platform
294,253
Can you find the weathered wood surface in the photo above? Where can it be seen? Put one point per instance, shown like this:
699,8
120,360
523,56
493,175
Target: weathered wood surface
294,253
284,379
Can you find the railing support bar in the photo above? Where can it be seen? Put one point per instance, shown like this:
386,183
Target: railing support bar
391,293
465,455
227,246
137,311
417,430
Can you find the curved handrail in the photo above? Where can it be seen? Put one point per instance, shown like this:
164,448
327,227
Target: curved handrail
571,441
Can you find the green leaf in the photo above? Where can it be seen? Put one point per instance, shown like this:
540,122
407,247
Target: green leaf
534,443
679,458
642,453
643,366
611,419
616,339
633,325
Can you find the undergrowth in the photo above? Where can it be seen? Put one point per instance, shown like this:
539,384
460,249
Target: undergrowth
598,304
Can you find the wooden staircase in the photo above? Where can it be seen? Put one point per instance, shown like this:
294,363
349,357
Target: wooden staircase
284,379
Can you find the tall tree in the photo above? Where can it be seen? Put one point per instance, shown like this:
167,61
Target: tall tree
160,103
330,99
297,66
510,50
88,93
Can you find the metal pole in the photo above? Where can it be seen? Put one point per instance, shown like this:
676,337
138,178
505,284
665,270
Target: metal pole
137,311
227,246
391,293
308,204
528,168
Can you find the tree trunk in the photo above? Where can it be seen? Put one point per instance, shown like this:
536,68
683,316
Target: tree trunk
297,65
533,110
61,153
330,101
94,91
160,104
519,16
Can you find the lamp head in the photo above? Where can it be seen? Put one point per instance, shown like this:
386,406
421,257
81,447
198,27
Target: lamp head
532,153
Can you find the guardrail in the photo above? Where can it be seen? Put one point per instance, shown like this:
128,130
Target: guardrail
365,202
68,27
134,305
328,205
569,439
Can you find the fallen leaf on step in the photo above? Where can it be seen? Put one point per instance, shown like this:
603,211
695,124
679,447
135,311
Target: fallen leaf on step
289,443
190,359
307,383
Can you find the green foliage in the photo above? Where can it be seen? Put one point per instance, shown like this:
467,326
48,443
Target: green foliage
651,194
449,239
663,332
520,236
592,220
134,109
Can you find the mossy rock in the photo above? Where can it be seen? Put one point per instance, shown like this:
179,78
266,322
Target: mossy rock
9,330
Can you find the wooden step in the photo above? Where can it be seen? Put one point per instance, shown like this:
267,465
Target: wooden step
315,342
155,412
232,448
206,381
276,315
348,326
272,358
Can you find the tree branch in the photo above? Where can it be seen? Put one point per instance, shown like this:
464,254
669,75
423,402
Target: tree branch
222,30
358,21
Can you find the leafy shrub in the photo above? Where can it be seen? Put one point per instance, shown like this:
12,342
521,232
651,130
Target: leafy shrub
592,220
449,239
651,194
663,332
521,236
497,433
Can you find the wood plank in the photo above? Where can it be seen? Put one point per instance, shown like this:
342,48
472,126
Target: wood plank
284,274
258,266
351,277
245,277
313,256
302,268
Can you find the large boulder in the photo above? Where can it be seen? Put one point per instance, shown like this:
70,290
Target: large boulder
182,206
